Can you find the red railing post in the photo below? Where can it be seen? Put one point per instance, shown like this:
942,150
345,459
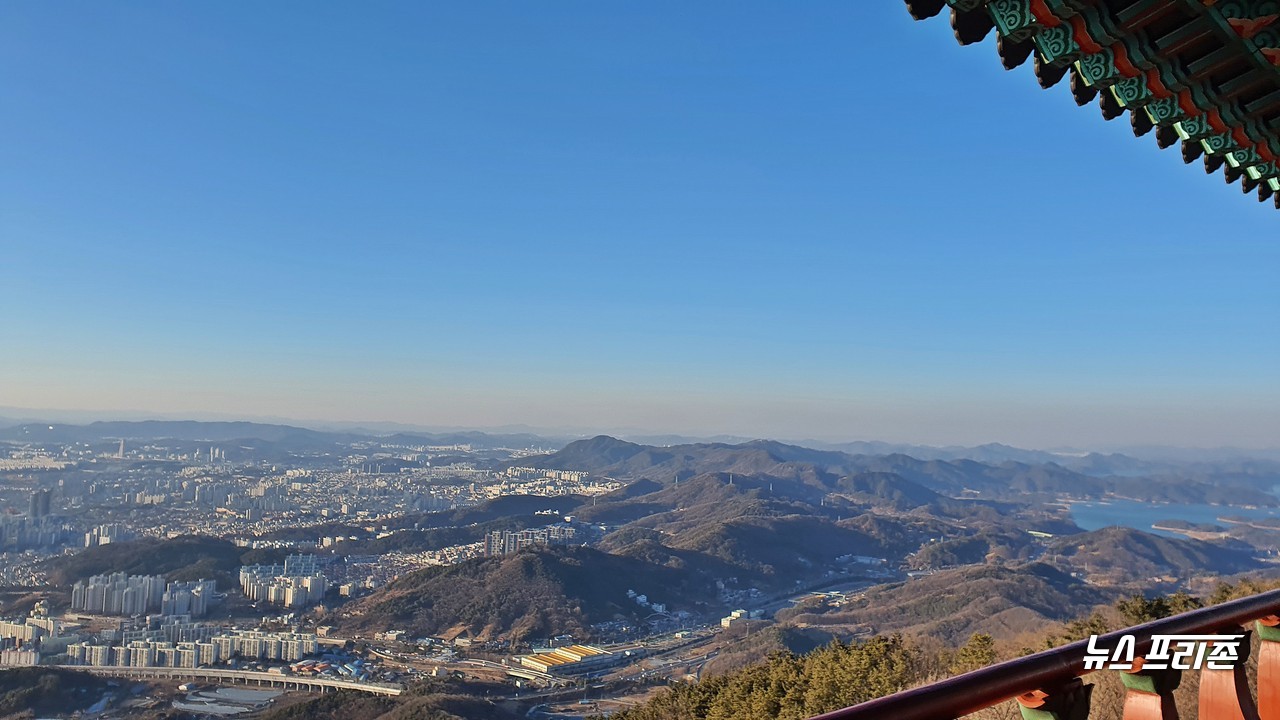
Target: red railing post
1269,668
1224,694
1148,694
1068,701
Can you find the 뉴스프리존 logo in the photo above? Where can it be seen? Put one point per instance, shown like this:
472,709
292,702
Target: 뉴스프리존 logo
1168,652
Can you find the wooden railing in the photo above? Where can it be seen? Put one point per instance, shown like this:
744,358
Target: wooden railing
1047,685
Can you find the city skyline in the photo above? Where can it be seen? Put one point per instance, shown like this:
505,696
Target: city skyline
825,222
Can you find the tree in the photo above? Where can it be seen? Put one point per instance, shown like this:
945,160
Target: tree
1181,602
1244,588
1137,609
978,652
1075,630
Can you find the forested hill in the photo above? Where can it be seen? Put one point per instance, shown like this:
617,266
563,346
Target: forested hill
536,593
1124,554
189,557
954,604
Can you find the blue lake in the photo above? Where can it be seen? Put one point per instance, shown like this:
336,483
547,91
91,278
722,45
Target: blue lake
1141,515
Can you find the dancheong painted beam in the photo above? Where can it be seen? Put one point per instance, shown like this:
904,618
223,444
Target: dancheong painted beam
1202,74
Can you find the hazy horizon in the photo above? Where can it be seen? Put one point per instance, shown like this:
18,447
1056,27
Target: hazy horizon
819,222
83,416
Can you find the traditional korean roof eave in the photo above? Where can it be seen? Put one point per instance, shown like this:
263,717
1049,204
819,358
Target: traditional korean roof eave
1204,74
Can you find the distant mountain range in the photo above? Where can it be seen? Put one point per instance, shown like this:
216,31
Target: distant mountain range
1136,459
1231,483
232,431
949,470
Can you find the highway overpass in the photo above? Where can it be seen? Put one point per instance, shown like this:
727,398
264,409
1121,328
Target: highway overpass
243,677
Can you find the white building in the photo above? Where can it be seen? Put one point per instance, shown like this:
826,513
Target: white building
297,583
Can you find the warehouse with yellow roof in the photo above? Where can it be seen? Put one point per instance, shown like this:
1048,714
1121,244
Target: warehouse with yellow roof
570,660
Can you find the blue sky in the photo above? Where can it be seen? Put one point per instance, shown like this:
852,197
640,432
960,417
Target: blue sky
795,220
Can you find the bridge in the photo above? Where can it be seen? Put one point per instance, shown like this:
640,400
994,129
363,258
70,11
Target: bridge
243,677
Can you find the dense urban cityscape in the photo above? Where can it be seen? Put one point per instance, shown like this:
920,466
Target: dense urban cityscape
532,570
303,512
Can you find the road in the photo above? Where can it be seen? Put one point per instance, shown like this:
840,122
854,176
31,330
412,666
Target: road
247,677
771,607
